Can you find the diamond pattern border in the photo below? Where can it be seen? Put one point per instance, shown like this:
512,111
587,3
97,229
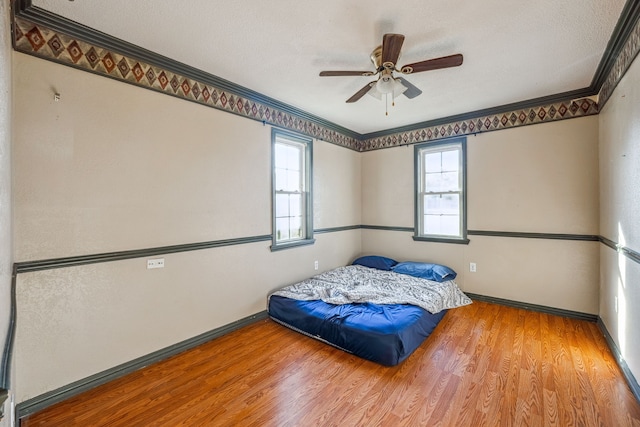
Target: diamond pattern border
45,43
530,116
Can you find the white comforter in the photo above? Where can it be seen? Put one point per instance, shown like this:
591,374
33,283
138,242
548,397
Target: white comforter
358,284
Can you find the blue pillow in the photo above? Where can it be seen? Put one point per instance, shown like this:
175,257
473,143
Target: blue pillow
374,261
435,272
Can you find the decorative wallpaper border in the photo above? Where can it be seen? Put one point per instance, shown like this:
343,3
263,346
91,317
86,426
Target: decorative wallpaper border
528,116
45,43
41,41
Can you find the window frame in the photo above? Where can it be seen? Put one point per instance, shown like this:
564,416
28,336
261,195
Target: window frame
439,146
284,137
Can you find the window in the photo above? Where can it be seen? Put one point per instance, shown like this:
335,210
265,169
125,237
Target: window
440,203
291,184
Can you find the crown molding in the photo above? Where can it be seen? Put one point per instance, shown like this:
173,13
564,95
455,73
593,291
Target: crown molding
619,38
280,114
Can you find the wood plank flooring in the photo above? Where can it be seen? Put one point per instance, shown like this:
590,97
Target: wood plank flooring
485,364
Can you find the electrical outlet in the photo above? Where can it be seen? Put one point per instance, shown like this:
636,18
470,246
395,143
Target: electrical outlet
155,263
315,265
472,267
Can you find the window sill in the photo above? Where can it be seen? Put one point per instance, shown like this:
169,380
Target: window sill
463,241
294,244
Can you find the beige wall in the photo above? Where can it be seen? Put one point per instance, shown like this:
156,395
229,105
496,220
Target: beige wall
337,189
620,214
540,179
113,167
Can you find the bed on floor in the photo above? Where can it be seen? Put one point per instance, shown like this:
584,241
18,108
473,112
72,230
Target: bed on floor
376,308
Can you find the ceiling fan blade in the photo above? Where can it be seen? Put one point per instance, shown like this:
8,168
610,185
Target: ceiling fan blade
412,91
433,64
391,45
345,73
362,92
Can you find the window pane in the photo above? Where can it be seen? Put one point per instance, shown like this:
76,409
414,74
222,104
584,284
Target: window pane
450,181
450,160
450,225
432,205
280,156
450,204
433,162
433,182
295,205
446,181
282,229
293,158
293,181
281,179
442,204
282,205
442,225
287,165
431,224
296,228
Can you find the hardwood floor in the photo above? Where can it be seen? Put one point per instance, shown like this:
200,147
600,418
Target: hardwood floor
485,364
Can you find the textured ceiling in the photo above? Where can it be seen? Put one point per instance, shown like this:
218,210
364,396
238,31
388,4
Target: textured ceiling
513,51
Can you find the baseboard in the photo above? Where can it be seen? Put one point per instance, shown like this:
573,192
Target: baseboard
42,401
628,375
535,307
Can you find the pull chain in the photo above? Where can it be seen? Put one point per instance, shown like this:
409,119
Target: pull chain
386,104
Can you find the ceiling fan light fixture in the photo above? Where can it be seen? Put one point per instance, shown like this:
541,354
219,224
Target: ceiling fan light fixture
387,85
398,88
374,92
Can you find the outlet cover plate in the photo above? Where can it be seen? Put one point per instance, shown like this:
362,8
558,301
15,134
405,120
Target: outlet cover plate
155,263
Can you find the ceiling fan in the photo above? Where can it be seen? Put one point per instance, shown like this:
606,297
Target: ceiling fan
384,58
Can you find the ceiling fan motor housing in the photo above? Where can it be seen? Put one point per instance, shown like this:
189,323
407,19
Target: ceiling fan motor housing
376,57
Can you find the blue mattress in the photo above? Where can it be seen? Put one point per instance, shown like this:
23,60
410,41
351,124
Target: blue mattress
386,334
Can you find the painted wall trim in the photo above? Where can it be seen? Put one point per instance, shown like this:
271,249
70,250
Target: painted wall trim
525,235
42,401
387,228
534,307
628,252
626,372
7,351
51,37
336,229
48,264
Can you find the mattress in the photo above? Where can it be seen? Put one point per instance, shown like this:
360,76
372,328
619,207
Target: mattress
383,333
